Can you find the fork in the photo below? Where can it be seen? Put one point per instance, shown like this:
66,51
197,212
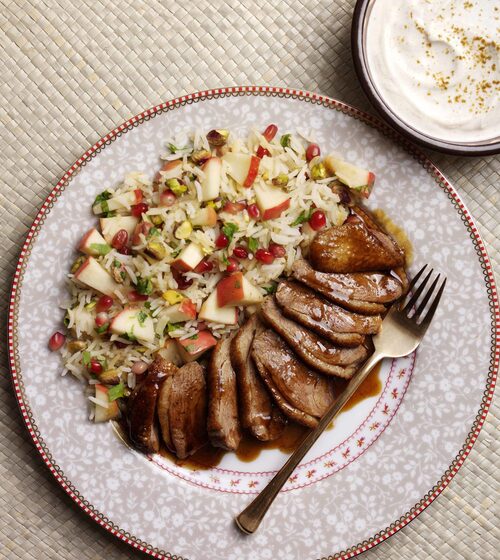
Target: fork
402,330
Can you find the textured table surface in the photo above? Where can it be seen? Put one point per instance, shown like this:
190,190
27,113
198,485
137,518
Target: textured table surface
71,71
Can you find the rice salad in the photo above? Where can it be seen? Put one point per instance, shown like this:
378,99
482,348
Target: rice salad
178,260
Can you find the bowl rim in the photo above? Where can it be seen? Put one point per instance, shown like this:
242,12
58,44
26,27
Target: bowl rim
361,68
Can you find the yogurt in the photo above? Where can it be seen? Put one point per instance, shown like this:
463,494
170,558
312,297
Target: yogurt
436,64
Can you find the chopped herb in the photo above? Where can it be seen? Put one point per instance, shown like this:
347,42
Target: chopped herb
144,286
109,214
129,336
66,319
175,252
85,358
153,231
229,230
147,305
116,392
105,206
271,289
123,275
304,217
253,244
285,140
224,259
102,329
171,327
116,263
141,317
100,198
194,337
101,248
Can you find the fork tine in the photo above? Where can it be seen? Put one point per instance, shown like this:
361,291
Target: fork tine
416,278
417,293
427,297
432,309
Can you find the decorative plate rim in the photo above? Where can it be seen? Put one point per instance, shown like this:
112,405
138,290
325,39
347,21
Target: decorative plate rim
268,91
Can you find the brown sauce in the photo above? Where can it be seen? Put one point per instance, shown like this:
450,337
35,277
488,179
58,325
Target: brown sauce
250,448
397,232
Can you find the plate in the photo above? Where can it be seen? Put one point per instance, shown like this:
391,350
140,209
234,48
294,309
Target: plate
384,461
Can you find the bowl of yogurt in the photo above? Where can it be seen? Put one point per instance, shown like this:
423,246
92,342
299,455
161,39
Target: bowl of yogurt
432,68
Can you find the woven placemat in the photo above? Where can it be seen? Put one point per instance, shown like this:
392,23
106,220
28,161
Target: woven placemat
71,71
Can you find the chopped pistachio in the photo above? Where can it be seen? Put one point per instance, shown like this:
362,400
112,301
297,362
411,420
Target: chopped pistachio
75,345
172,297
318,172
176,186
90,305
217,137
281,180
77,264
109,377
156,249
265,175
184,230
156,220
200,156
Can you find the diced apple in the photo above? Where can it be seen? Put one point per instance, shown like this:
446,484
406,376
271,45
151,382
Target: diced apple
134,323
237,290
172,169
170,352
356,178
205,217
192,348
243,168
272,201
105,410
93,275
210,311
118,202
110,226
94,244
180,312
210,185
189,258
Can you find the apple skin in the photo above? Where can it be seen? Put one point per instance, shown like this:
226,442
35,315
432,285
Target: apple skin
236,290
210,185
210,311
92,237
192,348
356,178
108,410
273,213
180,312
170,352
230,289
189,258
172,169
93,275
119,202
243,168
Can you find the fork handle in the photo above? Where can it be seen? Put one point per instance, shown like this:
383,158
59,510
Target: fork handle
249,519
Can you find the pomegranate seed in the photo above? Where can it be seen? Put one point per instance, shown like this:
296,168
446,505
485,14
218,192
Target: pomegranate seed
270,132
240,252
120,239
202,326
277,250
119,344
261,152
182,281
101,319
139,367
103,303
222,241
204,266
124,251
233,265
95,367
234,207
253,211
264,256
312,151
317,220
167,198
138,210
56,341
134,295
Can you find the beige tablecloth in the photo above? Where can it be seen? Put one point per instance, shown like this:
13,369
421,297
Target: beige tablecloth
71,71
